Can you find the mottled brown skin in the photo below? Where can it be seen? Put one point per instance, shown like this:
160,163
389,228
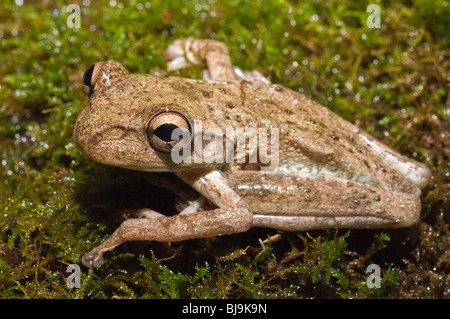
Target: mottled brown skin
330,173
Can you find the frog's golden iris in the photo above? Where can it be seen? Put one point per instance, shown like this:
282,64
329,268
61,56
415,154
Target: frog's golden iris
161,129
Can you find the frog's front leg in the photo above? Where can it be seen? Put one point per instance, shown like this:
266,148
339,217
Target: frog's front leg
231,216
188,200
221,221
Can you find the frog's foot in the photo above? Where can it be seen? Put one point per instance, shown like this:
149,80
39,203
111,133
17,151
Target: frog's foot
185,193
95,258
211,53
92,260
220,221
145,213
251,76
200,204
179,55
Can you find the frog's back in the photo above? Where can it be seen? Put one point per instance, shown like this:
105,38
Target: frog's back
312,139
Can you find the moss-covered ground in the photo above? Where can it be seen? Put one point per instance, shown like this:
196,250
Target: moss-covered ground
55,205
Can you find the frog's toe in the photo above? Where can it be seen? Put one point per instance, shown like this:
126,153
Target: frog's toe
92,260
179,55
145,213
177,63
250,76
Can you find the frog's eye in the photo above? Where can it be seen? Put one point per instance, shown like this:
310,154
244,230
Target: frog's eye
168,128
90,78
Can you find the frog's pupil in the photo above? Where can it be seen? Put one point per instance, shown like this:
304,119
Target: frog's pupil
164,131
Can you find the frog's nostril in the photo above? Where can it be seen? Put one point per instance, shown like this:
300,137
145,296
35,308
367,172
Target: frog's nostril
96,137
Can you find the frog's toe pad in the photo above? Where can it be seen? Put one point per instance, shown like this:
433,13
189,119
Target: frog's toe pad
90,260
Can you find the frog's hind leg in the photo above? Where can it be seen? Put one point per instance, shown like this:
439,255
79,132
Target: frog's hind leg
415,172
214,55
299,202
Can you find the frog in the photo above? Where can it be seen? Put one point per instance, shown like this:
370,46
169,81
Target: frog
322,171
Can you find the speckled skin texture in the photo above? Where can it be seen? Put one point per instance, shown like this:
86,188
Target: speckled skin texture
329,174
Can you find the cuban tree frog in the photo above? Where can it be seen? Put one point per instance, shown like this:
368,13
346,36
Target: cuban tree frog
258,153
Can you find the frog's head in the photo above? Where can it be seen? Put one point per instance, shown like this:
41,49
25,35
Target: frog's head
130,118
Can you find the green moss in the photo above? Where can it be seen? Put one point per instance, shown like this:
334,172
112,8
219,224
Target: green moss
56,204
